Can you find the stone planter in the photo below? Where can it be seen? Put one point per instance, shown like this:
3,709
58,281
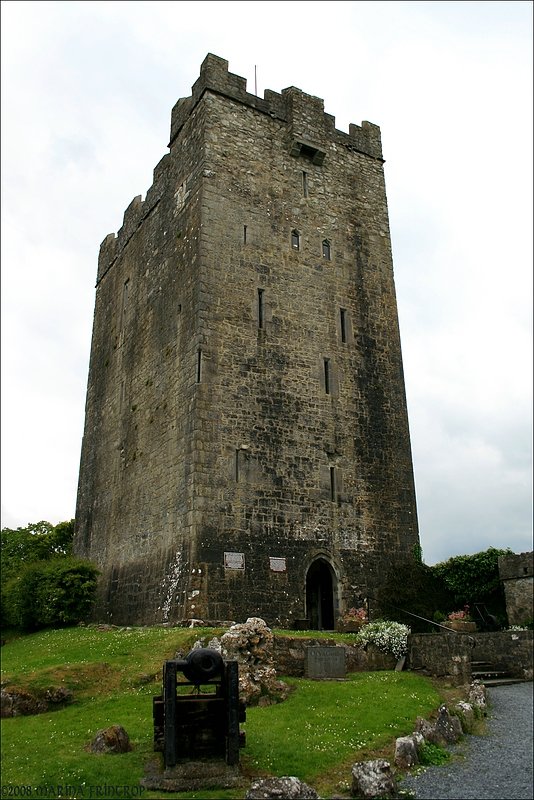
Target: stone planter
460,625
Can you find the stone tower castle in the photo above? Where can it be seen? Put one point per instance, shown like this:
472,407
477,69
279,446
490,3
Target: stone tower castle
246,448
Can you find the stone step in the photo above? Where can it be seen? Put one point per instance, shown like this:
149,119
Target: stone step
489,673
501,681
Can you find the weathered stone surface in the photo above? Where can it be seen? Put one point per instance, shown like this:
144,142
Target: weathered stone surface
446,729
511,651
288,788
15,702
373,779
466,714
251,645
324,662
407,750
191,776
450,655
448,726
516,571
428,731
477,697
246,427
19,702
111,740
289,655
442,655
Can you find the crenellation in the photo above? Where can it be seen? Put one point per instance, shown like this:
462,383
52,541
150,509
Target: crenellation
107,254
131,219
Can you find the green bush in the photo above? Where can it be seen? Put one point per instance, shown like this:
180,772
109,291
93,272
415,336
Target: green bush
56,592
389,637
475,579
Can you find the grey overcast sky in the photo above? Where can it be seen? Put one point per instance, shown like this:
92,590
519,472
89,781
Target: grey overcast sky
87,92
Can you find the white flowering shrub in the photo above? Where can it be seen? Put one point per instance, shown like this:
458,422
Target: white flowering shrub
390,637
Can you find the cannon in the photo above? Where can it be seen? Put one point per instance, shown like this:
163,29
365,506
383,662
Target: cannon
203,723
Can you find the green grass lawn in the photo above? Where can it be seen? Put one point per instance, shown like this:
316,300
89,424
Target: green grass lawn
316,734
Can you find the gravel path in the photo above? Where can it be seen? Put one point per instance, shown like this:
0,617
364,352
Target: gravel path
496,766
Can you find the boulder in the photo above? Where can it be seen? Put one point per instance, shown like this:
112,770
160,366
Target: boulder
448,726
478,697
445,730
373,779
251,645
428,732
283,788
18,702
407,750
58,695
111,740
466,714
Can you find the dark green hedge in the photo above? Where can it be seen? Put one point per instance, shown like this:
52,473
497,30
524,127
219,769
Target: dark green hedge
50,593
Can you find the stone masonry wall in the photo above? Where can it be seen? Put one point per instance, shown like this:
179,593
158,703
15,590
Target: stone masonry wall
516,571
285,430
441,655
450,655
246,412
289,653
136,476
507,650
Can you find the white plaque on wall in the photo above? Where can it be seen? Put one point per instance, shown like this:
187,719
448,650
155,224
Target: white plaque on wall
234,561
277,564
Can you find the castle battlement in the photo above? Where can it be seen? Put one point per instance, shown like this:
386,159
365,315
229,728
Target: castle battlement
310,129
137,211
303,112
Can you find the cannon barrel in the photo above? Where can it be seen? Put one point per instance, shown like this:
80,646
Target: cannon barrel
201,665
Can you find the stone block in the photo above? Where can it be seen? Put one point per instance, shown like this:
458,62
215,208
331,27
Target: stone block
373,779
324,663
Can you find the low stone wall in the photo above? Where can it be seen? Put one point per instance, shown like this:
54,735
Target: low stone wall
442,655
507,650
450,655
288,654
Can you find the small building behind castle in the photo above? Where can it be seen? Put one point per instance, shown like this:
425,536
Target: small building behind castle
246,448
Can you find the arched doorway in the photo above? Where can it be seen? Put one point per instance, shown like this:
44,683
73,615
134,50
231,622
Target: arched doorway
320,583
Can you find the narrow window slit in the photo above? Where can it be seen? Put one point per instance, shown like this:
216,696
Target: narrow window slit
326,249
125,293
260,308
304,183
244,234
237,466
199,365
295,240
327,375
343,324
332,483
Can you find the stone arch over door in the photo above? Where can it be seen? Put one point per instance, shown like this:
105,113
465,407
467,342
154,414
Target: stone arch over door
321,594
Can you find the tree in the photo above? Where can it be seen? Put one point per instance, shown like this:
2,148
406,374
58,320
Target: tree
42,585
475,579
36,542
